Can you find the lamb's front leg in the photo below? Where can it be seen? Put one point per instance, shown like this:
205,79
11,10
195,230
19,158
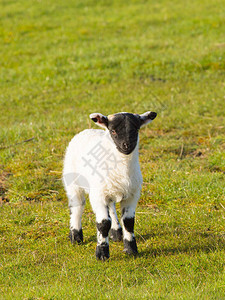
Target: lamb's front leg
128,216
103,223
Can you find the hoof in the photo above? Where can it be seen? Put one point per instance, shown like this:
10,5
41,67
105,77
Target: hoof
76,236
116,235
130,247
102,252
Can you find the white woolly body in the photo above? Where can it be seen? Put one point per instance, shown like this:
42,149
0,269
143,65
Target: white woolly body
96,166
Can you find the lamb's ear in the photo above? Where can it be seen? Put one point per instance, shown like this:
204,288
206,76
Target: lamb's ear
147,117
99,119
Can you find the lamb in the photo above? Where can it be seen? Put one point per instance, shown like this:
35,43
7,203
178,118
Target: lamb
105,165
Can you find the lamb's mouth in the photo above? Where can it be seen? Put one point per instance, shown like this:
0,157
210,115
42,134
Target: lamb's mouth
127,151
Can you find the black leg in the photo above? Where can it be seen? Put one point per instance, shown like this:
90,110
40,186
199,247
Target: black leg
116,234
102,249
76,236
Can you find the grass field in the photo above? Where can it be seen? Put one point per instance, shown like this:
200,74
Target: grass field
61,61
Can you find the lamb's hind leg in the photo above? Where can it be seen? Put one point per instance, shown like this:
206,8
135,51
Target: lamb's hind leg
116,229
76,199
76,206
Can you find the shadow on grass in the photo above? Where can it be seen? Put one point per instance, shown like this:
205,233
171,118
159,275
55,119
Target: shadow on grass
195,242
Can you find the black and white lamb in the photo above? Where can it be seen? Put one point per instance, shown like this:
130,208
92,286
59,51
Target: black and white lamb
105,165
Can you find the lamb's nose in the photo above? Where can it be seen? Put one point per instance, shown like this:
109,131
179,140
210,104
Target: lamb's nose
125,146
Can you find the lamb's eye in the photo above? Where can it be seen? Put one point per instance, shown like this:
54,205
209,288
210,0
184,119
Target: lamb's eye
113,132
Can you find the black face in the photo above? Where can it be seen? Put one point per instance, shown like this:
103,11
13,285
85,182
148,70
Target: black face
123,128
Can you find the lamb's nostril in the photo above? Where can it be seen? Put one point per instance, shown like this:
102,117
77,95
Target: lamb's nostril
125,145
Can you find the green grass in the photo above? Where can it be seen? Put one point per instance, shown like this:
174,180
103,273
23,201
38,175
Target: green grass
61,61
